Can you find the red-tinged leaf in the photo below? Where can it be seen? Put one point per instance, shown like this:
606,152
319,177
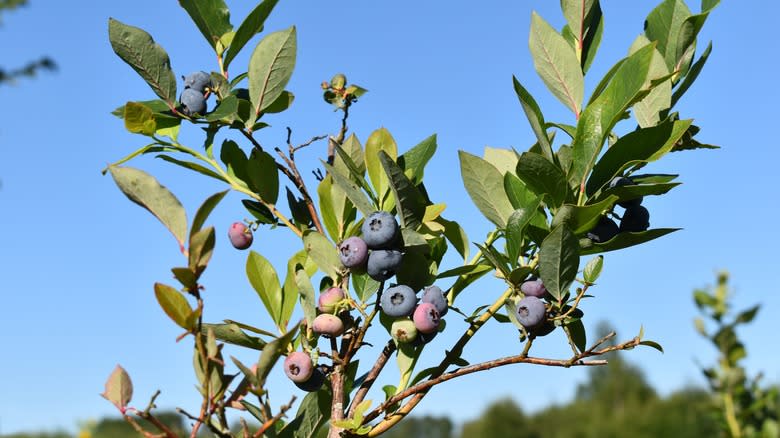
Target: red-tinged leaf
119,389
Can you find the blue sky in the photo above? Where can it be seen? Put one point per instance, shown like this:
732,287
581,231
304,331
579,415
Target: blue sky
77,260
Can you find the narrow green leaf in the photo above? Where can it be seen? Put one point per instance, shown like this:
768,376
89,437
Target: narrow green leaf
653,344
323,253
262,276
271,353
146,191
593,269
747,315
205,210
686,39
515,229
252,25
232,334
648,110
409,200
197,167
485,185
692,74
306,296
174,304
414,160
407,358
379,140
543,178
270,68
313,413
464,270
137,48
577,332
351,189
535,118
625,240
327,210
456,235
354,150
201,249
119,388
641,146
626,193
557,63
581,219
211,16
344,165
559,260
586,24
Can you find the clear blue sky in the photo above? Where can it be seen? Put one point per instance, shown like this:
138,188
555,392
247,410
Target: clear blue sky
77,260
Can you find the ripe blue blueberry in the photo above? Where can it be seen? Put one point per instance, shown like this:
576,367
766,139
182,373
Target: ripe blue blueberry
353,252
398,301
533,288
383,264
635,218
619,181
530,312
380,229
192,102
197,81
426,318
435,296
298,366
314,383
605,230
240,235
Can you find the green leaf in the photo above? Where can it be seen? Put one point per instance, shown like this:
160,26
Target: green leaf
211,16
323,253
263,175
485,185
456,235
119,388
653,344
174,304
505,160
306,296
581,219
464,270
139,119
313,413
265,282
625,87
663,25
364,286
147,58
535,118
235,160
410,202
407,358
586,24
593,269
625,240
232,334
351,189
559,260
186,277
271,353
146,191
515,229
205,210
648,110
201,249
577,332
226,110
748,315
691,76
343,164
354,150
626,193
156,105
543,178
414,160
641,146
415,270
252,25
328,215
197,167
556,63
379,140
519,195
270,68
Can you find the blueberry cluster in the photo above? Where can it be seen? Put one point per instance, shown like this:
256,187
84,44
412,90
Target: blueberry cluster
240,235
530,311
299,368
635,218
378,251
414,322
193,98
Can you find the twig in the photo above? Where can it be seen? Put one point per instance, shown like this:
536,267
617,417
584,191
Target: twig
138,427
337,385
338,140
282,411
384,356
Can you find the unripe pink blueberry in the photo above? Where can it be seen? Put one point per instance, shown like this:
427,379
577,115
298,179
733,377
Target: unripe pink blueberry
240,235
328,299
328,325
298,366
533,288
426,318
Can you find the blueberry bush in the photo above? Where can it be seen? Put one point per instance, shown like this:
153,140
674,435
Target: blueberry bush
370,268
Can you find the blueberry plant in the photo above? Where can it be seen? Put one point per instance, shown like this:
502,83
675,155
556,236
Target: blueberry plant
743,405
371,264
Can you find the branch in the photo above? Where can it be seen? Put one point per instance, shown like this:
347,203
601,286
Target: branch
384,356
338,140
268,424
